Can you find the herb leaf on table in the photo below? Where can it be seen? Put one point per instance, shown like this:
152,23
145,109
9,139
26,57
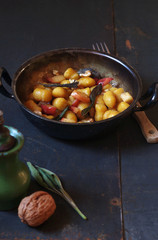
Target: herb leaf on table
51,181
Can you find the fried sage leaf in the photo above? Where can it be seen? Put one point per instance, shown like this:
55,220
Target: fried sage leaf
69,85
95,92
61,114
51,181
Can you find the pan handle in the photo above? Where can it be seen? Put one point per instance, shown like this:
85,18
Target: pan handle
4,75
148,129
152,94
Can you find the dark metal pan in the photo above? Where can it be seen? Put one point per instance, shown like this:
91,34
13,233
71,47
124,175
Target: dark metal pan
61,59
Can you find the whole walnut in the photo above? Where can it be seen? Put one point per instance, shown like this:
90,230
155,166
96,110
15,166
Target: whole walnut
36,208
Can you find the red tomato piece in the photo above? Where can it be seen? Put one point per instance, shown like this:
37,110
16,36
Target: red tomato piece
80,96
104,81
64,120
48,109
74,109
75,103
50,79
96,79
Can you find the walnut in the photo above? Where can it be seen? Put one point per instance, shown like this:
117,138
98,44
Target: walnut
36,208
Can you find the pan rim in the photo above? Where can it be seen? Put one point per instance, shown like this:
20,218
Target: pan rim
33,59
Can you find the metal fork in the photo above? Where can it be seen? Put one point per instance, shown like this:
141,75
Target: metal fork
148,129
101,47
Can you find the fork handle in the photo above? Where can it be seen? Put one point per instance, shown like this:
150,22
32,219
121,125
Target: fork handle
148,129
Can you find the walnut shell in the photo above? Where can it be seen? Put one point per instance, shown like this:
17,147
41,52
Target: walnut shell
36,208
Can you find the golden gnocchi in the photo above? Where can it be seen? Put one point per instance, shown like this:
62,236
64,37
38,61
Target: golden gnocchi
77,96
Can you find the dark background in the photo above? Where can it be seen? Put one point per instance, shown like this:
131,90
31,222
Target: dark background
107,177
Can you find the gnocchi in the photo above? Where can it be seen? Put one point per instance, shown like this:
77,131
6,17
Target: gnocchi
74,97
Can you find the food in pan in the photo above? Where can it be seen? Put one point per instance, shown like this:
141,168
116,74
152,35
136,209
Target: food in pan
77,96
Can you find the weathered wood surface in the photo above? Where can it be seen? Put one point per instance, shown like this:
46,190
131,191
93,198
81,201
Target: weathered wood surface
90,169
136,25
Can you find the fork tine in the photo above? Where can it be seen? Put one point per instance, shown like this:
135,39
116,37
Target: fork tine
101,47
97,45
106,47
93,46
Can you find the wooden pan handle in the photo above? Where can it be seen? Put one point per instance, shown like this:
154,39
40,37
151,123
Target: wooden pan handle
148,129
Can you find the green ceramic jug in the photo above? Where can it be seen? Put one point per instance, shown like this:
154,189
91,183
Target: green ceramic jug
14,174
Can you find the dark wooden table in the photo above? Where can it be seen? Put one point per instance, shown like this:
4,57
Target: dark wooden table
113,179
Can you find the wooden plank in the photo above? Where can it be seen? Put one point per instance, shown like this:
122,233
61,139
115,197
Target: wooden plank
87,172
89,169
136,41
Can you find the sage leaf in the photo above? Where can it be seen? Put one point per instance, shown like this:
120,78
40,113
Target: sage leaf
51,181
69,85
61,114
95,92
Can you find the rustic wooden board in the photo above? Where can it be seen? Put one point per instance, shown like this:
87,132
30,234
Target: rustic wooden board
136,21
89,169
